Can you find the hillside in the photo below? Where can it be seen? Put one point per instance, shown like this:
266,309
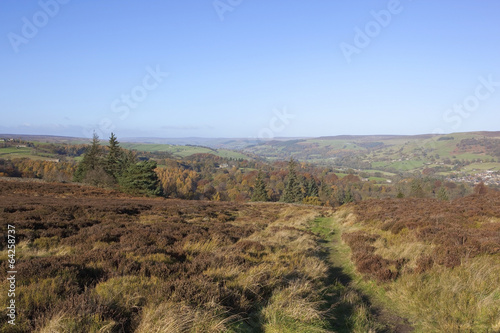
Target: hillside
90,260
456,155
436,263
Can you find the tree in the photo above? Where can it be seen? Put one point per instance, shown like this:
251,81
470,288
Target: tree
312,189
480,189
91,159
141,179
442,194
115,158
293,190
416,189
260,189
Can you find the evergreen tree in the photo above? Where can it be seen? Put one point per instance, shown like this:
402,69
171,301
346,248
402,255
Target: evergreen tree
260,189
91,159
312,189
442,194
141,179
325,191
293,189
115,157
416,188
348,196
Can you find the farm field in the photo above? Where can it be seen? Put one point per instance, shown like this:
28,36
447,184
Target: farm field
12,152
184,151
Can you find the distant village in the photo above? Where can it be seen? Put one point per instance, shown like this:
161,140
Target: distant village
488,177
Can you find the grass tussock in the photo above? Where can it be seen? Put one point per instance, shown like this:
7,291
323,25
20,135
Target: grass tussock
180,318
62,323
295,308
465,298
202,246
436,263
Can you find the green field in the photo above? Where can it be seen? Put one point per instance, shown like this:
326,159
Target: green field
10,153
183,151
399,165
481,166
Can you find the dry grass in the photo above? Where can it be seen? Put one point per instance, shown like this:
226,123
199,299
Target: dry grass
62,323
203,246
25,250
462,299
295,308
446,256
181,318
125,293
95,262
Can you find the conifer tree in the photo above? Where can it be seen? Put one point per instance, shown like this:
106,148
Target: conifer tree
312,189
115,157
293,189
416,188
442,194
91,159
140,178
260,189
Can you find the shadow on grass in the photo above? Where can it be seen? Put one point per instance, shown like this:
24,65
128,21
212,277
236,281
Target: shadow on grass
343,306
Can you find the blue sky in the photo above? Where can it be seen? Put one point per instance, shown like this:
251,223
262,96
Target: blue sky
332,67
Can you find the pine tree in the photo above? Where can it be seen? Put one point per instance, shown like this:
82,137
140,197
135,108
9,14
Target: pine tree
260,189
91,159
312,189
416,189
348,196
293,189
442,194
141,179
115,157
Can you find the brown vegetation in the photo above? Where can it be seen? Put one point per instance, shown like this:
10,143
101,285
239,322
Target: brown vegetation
460,229
438,261
90,260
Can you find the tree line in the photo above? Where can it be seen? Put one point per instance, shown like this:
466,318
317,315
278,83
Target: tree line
210,177
113,166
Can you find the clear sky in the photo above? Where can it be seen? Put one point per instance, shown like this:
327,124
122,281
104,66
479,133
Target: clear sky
326,67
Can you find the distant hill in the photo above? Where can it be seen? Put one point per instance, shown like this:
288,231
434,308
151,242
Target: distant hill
440,153
444,154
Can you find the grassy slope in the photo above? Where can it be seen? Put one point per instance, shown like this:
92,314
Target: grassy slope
10,153
250,267
95,260
177,151
455,296
183,151
410,149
